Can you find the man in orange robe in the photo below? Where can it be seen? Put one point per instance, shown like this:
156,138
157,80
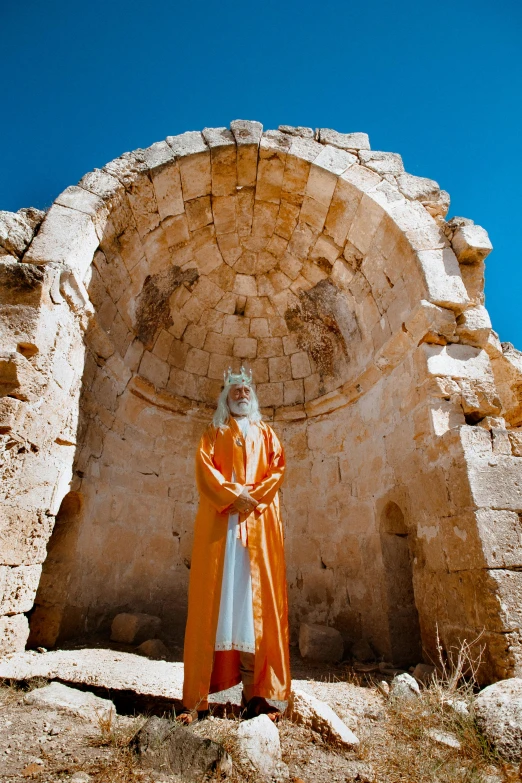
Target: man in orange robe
237,626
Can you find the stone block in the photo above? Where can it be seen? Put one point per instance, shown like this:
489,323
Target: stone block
444,283
300,364
259,748
197,361
366,221
500,537
345,141
167,188
76,197
248,136
154,369
497,482
418,188
471,244
259,327
193,156
57,696
457,361
293,392
333,160
302,153
14,631
15,233
223,160
18,587
280,368
134,628
382,162
430,323
153,648
320,643
297,130
306,710
271,168
66,237
320,186
270,394
474,326
245,347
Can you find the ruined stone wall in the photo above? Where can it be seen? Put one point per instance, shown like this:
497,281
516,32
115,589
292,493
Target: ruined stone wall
332,273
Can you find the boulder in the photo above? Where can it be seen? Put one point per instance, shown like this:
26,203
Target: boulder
306,710
423,673
362,651
165,746
134,628
320,643
15,233
498,711
259,748
471,244
82,703
404,687
154,648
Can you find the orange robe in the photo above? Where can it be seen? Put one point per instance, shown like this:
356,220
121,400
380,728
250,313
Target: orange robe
259,460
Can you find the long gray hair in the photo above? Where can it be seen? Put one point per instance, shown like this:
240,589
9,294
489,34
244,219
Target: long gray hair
222,415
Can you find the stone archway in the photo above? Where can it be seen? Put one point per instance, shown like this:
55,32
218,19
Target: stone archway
403,619
49,622
332,273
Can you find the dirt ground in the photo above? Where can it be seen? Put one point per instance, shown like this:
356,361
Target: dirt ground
395,745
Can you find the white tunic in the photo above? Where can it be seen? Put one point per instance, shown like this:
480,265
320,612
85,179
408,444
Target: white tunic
235,629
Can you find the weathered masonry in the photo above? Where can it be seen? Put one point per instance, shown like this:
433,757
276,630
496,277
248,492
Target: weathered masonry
333,274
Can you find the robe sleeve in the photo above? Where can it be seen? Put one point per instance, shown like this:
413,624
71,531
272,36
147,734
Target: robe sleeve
210,481
265,491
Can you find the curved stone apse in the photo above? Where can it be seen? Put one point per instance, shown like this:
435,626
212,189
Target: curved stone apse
330,272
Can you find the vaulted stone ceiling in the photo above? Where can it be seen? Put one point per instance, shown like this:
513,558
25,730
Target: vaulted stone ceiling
291,252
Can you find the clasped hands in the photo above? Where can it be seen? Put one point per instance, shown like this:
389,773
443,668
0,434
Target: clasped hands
244,503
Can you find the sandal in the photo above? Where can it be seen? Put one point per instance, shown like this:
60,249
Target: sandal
259,706
187,717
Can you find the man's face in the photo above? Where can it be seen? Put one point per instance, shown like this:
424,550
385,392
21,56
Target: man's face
239,399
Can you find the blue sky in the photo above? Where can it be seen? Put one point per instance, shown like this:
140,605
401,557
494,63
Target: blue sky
439,82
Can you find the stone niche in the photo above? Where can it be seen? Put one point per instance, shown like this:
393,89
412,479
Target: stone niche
333,274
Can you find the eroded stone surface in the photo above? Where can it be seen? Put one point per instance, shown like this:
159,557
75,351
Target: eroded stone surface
62,697
163,746
498,709
260,749
306,709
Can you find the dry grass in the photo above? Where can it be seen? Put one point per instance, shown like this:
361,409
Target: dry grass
12,690
114,732
407,753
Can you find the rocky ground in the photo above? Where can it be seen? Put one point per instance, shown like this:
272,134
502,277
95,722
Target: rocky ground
406,740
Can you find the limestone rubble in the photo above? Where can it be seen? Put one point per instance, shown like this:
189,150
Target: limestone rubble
332,273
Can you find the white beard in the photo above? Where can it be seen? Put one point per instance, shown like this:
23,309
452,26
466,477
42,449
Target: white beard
239,407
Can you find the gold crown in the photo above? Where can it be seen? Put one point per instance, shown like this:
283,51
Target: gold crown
235,379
